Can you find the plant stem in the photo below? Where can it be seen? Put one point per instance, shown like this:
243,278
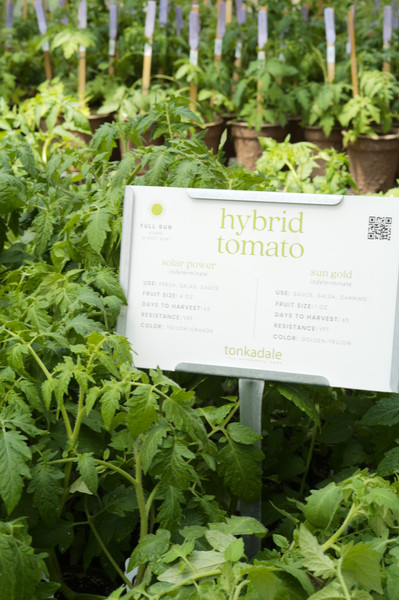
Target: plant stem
308,460
117,470
342,582
105,549
351,514
142,508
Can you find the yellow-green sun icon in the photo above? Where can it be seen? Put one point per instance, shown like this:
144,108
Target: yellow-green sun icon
157,209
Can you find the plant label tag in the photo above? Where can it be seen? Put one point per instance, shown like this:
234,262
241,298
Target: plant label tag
10,15
262,27
82,14
259,285
262,55
150,19
41,19
147,49
218,47
111,47
330,54
113,21
46,46
238,49
82,49
194,57
241,12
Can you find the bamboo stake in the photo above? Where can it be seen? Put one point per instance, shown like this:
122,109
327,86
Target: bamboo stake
147,59
229,11
25,10
351,27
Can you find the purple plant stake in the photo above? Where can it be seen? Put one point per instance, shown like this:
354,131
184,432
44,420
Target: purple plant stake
64,18
179,19
241,12
262,33
113,28
10,15
305,12
113,21
221,27
193,37
395,16
41,19
387,28
163,12
150,19
82,14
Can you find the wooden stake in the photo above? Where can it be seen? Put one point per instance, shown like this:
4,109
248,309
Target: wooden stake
229,11
330,65
147,61
351,27
82,74
47,65
25,10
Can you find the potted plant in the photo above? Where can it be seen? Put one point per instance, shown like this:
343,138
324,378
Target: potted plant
371,140
264,101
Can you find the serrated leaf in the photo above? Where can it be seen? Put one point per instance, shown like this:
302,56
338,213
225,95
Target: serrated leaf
264,581
150,547
219,540
236,525
14,454
173,464
314,558
143,409
88,471
47,488
238,464
298,397
383,497
201,562
178,410
384,412
98,227
363,562
110,402
322,505
170,511
43,226
152,441
389,464
83,325
234,551
243,434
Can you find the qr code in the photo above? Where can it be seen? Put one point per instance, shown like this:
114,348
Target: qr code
380,228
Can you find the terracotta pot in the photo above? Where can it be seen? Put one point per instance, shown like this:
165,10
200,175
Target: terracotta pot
316,136
295,129
247,147
373,161
213,134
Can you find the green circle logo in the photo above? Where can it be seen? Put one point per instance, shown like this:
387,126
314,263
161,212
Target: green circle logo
156,210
